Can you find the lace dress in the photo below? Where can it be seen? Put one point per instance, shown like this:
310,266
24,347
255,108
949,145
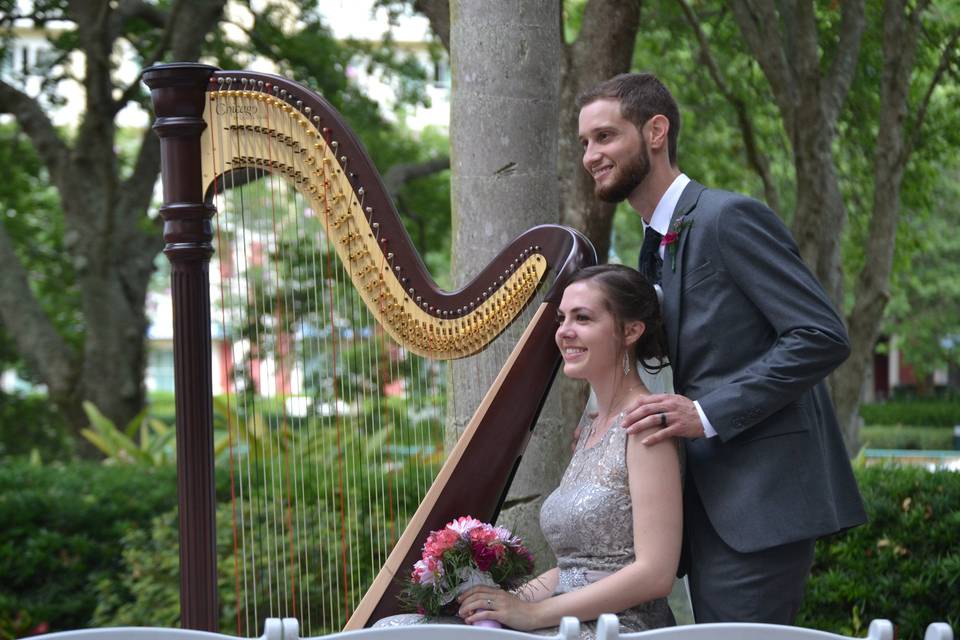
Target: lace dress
588,523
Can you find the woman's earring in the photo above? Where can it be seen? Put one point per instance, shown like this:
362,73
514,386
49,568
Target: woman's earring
626,363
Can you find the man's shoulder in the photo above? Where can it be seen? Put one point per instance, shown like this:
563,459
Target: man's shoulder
721,199
730,207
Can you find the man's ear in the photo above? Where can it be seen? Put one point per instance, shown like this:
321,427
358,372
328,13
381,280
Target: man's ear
632,332
657,129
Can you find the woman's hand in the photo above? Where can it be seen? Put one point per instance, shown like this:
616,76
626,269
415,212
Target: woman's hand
489,603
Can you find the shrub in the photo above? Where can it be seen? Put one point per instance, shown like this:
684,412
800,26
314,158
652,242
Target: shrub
920,412
62,527
904,564
898,437
146,589
31,423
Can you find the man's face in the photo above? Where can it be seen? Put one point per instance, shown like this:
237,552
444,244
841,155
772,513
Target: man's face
614,152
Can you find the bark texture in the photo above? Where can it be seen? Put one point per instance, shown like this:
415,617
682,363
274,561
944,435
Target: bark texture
503,141
107,233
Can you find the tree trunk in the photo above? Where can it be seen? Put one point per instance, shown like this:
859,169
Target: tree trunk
503,151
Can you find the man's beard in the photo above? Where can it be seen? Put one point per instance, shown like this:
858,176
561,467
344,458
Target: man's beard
626,179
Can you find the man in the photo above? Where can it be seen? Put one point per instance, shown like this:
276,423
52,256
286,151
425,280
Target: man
751,335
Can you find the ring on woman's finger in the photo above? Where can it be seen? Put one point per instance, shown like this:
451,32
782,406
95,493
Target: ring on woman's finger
663,419
489,602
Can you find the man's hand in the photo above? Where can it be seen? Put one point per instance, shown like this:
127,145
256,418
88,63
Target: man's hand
674,415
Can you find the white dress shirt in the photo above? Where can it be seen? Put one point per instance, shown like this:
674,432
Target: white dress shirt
660,221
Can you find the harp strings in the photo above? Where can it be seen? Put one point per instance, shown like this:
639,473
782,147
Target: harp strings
332,428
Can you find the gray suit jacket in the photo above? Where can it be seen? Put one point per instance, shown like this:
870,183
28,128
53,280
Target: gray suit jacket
752,335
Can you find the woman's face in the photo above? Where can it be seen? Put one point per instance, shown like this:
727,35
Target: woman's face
587,333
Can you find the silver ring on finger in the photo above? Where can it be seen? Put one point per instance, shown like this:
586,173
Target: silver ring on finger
663,420
489,602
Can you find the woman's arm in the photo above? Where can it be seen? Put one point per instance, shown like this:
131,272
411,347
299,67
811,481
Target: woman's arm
539,588
657,504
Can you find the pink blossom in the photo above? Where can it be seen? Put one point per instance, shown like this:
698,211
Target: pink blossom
463,525
428,571
483,534
669,238
439,542
484,556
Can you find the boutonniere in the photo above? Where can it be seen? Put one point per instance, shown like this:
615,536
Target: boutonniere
671,240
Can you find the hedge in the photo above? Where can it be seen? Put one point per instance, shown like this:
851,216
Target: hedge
31,424
903,565
920,412
146,591
89,545
62,531
899,437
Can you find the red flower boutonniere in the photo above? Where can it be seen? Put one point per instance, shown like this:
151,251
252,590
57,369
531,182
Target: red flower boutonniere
671,240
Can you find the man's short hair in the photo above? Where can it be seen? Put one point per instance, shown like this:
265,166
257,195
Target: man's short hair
641,96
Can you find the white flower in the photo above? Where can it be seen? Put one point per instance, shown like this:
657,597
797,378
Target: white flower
464,525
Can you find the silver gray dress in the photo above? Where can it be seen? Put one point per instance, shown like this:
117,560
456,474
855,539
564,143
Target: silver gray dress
588,523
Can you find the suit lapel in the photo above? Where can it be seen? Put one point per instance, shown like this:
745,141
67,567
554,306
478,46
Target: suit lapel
672,278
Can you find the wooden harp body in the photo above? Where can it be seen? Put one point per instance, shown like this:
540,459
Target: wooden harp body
215,125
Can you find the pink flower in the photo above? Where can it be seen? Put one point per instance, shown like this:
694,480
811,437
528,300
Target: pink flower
669,239
439,542
486,535
463,525
428,571
484,556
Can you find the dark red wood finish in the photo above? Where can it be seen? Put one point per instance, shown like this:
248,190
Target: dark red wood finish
178,102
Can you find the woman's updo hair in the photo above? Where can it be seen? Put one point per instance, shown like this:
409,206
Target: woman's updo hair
630,297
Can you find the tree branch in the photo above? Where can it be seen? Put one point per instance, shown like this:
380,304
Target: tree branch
26,322
133,9
184,37
438,12
402,173
30,116
756,158
947,58
844,66
130,10
758,25
137,189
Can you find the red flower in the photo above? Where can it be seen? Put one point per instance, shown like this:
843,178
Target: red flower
671,239
484,556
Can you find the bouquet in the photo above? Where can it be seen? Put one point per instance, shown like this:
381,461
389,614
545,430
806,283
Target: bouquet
464,554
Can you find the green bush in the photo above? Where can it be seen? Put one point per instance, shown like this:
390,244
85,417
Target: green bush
920,412
62,527
146,589
31,423
903,565
898,437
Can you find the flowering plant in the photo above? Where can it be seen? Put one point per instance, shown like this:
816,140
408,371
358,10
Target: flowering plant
671,240
464,554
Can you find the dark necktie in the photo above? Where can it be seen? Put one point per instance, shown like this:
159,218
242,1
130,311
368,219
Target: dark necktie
651,264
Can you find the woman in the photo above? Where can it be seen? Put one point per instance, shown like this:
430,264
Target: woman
615,521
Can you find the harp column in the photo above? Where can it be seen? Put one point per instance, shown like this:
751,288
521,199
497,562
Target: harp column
179,95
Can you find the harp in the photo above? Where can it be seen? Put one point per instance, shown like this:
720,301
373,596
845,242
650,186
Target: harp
220,129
